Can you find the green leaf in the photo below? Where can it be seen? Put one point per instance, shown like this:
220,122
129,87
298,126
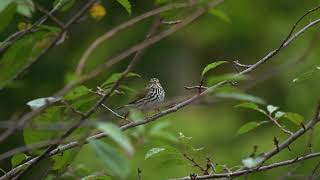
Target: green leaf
40,170
241,96
153,152
53,29
220,14
97,177
21,54
126,4
307,75
117,135
6,15
62,161
17,159
219,168
113,161
4,4
48,118
297,119
76,93
250,105
116,76
211,66
249,126
272,108
25,7
158,131
225,77
63,5
279,114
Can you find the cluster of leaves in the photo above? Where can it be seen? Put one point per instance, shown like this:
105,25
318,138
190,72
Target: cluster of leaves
270,112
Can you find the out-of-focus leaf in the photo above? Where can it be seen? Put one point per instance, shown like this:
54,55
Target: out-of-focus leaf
251,162
96,177
126,4
6,15
219,168
250,105
295,118
53,29
211,66
212,80
114,162
158,131
241,96
272,108
47,118
220,14
279,114
17,159
117,135
25,8
160,2
249,126
40,170
153,152
63,5
62,161
307,75
4,4
19,55
116,76
171,162
76,93
38,103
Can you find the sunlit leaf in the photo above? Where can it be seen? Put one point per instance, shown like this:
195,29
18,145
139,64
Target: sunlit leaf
295,118
249,126
17,159
272,108
220,14
126,4
37,103
4,4
117,135
279,114
113,161
242,97
251,162
25,8
153,152
211,66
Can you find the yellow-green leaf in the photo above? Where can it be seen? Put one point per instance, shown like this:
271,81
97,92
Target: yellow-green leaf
211,66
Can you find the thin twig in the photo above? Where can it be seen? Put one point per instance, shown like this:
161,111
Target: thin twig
249,171
194,163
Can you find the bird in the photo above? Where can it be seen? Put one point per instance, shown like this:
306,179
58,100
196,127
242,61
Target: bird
151,99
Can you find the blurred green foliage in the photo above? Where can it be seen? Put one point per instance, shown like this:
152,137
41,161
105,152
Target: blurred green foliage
237,30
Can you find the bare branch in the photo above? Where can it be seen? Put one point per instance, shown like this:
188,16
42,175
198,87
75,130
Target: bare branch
249,171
